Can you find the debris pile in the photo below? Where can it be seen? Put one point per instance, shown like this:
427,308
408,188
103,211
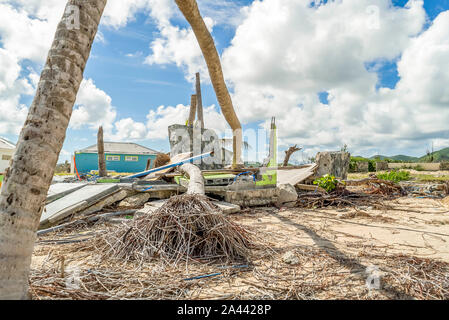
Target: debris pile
345,198
355,193
186,227
426,190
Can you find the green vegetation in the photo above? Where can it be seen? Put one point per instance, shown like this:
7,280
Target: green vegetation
395,176
327,182
354,160
437,156
1,177
417,177
430,178
108,180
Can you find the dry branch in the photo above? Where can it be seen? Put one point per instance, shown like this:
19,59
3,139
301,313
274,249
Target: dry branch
288,154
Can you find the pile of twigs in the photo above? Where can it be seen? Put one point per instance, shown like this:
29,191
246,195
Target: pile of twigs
337,199
186,227
374,190
383,187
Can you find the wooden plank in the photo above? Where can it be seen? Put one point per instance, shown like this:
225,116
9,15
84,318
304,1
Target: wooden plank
308,187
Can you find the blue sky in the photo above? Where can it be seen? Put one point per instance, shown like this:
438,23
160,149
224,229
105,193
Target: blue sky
119,68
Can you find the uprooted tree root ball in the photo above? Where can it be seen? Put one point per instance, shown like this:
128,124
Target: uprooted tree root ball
186,227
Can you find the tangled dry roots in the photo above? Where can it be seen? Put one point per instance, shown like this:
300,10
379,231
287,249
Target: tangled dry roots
187,226
161,160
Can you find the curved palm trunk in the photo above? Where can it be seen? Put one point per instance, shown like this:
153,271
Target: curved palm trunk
102,171
189,9
26,182
196,183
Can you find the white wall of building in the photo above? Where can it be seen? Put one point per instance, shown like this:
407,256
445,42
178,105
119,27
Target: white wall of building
5,158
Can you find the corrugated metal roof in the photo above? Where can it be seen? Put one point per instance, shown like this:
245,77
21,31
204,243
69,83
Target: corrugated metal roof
120,148
5,144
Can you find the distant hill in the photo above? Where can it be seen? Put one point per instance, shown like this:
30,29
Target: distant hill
438,156
404,158
397,158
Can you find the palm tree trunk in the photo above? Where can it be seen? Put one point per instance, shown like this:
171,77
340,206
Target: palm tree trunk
26,182
199,101
196,179
102,172
192,110
189,9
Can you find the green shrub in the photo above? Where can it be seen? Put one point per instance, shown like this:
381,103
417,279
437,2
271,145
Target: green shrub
354,160
419,168
327,182
395,176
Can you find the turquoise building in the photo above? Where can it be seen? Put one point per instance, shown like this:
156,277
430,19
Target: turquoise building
120,157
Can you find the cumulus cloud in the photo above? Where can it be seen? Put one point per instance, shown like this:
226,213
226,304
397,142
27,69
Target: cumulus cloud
178,45
158,121
93,107
12,86
128,129
286,52
283,54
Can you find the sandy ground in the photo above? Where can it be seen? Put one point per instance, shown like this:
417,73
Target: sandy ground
406,245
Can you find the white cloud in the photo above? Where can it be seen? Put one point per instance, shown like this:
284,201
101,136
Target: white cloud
128,129
12,112
159,120
18,28
93,107
285,52
178,45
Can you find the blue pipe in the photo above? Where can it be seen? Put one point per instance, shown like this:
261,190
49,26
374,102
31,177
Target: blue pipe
145,173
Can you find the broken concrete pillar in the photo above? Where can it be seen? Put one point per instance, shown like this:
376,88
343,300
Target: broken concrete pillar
253,198
362,166
333,163
381,165
287,195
